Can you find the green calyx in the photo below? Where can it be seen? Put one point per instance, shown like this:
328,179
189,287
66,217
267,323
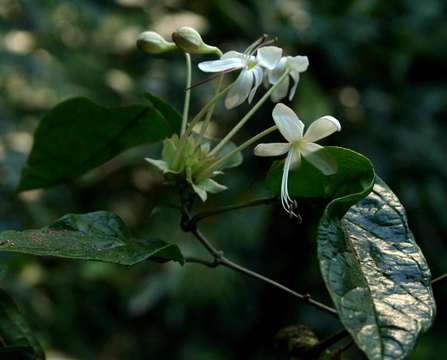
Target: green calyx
186,163
190,41
153,43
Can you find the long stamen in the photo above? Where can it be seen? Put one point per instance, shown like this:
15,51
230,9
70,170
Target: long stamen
249,51
187,94
288,204
212,77
269,42
256,43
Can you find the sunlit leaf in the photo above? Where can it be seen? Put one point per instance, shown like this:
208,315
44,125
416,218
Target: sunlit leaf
376,274
98,236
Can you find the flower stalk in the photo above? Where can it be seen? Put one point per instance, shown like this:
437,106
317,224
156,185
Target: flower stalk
247,117
209,170
187,94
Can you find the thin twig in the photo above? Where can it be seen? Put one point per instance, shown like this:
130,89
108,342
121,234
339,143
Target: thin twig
438,279
302,297
196,260
263,201
220,259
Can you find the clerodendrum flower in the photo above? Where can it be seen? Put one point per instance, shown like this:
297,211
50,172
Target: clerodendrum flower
298,145
294,64
252,72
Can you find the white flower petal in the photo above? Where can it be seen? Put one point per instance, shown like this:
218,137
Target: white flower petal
296,78
232,54
221,65
265,79
321,160
272,149
288,204
275,74
240,90
322,128
298,63
258,75
309,148
295,159
269,56
288,123
281,90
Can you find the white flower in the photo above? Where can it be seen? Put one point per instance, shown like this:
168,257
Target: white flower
295,65
251,75
298,145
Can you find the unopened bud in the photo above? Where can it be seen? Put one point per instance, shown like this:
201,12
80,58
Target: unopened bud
190,41
153,43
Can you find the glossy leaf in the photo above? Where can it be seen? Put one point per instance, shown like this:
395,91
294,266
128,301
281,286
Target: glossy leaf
351,182
376,274
98,236
79,135
17,340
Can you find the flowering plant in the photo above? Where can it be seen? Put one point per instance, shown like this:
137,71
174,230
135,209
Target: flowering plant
374,271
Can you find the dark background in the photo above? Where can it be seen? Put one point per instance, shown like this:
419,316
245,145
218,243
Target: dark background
377,65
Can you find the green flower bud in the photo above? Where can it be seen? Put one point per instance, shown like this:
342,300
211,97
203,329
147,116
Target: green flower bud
153,43
190,41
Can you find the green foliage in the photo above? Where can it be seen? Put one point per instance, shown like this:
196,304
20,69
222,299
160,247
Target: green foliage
78,135
167,111
98,236
372,267
393,112
376,274
16,338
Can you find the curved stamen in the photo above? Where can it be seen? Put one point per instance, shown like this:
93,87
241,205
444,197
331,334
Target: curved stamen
288,204
269,42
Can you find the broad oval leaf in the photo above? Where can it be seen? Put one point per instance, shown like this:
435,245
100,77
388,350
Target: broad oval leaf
353,179
79,135
376,274
98,236
17,339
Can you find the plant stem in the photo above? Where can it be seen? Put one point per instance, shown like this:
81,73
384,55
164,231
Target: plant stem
263,201
210,112
303,297
207,106
200,114
187,93
247,117
209,170
438,279
220,259
196,260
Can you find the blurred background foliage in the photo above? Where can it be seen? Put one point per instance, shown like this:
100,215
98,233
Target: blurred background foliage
377,65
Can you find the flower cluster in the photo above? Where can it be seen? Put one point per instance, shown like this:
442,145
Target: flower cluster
193,157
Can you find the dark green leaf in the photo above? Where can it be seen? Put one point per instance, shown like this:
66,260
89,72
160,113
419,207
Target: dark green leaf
78,135
352,181
376,274
98,236
167,111
16,338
